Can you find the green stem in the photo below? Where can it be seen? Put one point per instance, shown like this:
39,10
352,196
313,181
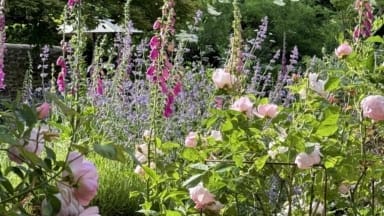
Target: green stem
311,192
373,196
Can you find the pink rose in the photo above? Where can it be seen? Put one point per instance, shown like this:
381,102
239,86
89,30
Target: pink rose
90,211
85,176
69,205
343,50
43,110
373,107
306,161
191,140
266,110
315,156
242,104
223,79
303,161
35,145
214,207
201,196
141,153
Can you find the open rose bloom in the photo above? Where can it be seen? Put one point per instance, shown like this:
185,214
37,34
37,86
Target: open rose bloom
266,110
223,79
201,196
243,105
343,50
69,205
373,107
85,177
191,140
34,144
43,110
305,161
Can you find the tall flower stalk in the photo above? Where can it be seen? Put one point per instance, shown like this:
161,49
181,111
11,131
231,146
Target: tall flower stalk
365,19
2,44
234,64
161,71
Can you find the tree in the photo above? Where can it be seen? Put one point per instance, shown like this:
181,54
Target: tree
33,21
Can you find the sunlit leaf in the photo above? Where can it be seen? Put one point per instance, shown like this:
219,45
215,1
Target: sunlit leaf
260,162
110,151
332,84
193,180
211,10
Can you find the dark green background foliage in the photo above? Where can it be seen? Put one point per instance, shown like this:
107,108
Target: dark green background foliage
309,24
35,21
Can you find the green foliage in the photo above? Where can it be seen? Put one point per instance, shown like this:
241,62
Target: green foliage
305,24
33,21
118,184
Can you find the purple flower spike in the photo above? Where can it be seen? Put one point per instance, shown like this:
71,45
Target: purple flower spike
154,54
154,43
2,78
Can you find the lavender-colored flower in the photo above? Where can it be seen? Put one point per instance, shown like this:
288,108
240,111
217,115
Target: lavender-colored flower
198,17
261,34
293,59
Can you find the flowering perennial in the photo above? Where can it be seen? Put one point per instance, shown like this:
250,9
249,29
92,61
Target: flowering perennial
2,47
373,107
363,28
160,70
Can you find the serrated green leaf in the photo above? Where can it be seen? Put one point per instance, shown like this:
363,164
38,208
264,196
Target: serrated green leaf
151,173
193,179
175,194
260,162
328,126
238,159
169,146
50,153
173,213
110,151
332,84
326,130
200,166
227,126
209,122
27,114
190,154
7,185
331,162
375,39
